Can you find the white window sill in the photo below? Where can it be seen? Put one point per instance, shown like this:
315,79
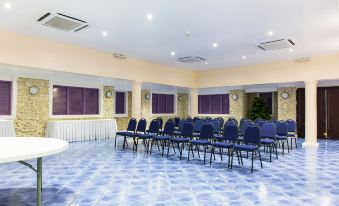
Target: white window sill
7,117
120,115
213,115
75,116
170,114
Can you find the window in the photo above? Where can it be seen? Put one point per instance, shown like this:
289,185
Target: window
213,104
5,97
120,103
267,97
162,103
75,100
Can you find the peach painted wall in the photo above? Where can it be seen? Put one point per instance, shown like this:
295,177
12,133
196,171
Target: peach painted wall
41,53
319,68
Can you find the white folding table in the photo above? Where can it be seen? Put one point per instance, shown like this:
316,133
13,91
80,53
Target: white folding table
18,149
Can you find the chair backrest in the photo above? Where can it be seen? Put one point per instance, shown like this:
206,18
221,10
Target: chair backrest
231,132
181,124
141,125
187,129
161,122
207,131
282,128
189,118
195,119
154,127
252,135
216,126
132,125
169,128
232,119
221,121
291,124
268,130
208,119
197,125
176,121
244,126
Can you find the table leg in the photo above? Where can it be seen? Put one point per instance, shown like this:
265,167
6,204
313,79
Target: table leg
39,181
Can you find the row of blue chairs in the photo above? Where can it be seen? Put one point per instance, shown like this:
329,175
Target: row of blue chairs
248,137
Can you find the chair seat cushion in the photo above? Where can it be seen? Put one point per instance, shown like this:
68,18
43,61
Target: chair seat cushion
222,145
124,133
200,142
157,137
291,135
145,136
245,147
180,140
177,132
218,136
267,141
133,134
196,134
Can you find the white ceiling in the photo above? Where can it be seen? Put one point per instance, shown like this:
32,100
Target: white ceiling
236,25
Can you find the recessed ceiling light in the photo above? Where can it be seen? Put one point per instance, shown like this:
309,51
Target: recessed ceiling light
215,45
188,33
172,53
206,63
104,33
7,5
290,50
244,57
149,17
270,33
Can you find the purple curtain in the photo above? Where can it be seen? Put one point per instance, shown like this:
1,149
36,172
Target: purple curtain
162,103
120,103
91,101
213,104
75,100
59,100
5,97
267,97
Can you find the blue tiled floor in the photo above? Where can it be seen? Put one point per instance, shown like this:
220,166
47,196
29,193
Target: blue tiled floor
94,173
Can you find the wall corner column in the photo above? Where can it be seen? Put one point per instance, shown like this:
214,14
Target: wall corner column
310,114
136,100
194,102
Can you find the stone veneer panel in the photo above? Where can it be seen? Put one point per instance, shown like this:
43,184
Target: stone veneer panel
238,108
32,111
108,103
287,108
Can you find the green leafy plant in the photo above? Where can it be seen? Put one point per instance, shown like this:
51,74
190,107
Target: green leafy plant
259,109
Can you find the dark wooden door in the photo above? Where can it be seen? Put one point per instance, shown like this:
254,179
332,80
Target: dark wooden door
327,112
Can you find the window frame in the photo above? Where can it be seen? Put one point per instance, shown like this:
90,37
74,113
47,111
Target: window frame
72,116
125,114
175,96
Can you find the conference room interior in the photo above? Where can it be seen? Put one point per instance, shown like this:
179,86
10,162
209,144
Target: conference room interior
169,103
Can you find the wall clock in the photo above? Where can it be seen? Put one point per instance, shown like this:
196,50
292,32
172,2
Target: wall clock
235,97
284,95
179,98
109,94
33,90
147,96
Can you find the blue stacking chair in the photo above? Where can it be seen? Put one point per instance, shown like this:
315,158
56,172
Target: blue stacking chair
161,123
282,134
176,121
221,121
197,127
147,137
292,127
195,119
184,138
252,143
232,119
180,125
229,138
216,126
268,137
244,126
164,138
132,124
208,119
205,138
141,128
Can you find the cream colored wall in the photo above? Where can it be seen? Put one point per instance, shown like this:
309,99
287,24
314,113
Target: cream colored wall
319,68
41,53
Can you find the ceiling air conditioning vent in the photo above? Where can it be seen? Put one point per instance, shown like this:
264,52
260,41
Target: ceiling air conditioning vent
276,44
62,22
191,59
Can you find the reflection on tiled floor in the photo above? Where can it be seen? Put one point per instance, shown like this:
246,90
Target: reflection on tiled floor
94,173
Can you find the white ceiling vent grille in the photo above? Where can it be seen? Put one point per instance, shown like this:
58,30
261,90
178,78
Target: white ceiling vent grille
276,44
62,22
191,59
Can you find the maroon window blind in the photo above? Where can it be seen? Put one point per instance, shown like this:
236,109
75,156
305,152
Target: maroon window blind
162,103
75,100
120,103
213,104
5,97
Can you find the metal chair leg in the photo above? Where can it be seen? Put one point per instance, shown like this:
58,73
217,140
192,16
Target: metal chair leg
260,159
252,162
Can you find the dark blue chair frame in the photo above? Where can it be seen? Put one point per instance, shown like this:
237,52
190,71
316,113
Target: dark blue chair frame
147,137
165,136
268,138
205,138
282,134
132,124
292,127
184,138
229,138
252,143
141,128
